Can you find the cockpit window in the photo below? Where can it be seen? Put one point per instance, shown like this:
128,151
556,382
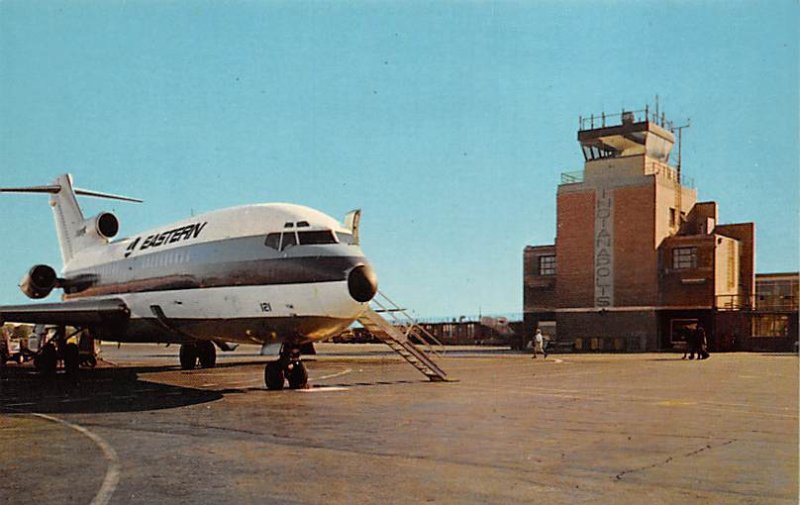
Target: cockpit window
273,241
309,237
289,240
344,237
316,237
302,224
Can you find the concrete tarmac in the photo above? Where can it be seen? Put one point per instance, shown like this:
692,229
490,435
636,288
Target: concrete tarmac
621,429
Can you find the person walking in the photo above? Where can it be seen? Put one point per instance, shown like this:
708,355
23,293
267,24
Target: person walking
538,344
690,337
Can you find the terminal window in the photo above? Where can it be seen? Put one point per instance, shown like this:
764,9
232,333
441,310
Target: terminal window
771,325
547,265
684,258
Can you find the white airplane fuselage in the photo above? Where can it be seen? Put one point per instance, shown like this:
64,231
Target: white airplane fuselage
257,273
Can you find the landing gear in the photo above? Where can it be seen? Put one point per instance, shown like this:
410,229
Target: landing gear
287,367
202,351
188,356
297,376
273,376
207,354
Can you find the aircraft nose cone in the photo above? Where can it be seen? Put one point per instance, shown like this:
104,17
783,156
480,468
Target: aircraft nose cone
362,283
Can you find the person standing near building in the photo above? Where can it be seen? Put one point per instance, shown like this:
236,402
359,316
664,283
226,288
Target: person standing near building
701,342
538,344
690,337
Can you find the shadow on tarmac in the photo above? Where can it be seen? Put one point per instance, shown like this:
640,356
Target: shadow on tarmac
22,389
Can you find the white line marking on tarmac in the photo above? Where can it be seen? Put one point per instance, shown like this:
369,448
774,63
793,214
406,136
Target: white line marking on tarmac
112,473
323,389
245,383
337,374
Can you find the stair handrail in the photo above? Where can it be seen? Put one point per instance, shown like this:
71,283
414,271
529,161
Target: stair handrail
399,342
410,325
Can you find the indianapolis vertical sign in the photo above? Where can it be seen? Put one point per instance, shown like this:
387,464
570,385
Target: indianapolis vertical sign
604,248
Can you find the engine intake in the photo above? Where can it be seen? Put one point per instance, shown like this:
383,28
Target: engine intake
39,281
106,224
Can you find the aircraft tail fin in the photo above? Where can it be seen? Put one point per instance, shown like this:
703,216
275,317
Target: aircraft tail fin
74,233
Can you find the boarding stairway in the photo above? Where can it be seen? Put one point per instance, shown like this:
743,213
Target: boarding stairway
400,334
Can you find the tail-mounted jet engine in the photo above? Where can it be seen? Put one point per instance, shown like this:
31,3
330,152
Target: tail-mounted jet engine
105,224
39,281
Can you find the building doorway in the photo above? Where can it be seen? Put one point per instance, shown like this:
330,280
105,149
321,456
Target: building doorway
679,331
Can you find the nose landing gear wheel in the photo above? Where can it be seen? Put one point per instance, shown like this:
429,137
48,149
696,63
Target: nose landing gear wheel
273,376
287,367
297,376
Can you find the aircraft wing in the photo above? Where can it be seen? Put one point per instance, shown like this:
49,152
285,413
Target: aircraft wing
72,313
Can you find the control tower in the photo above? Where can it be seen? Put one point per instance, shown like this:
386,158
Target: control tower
632,242
613,216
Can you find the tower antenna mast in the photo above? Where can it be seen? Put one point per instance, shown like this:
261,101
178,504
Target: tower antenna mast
680,145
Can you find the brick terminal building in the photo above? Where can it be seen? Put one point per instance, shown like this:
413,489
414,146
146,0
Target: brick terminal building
637,260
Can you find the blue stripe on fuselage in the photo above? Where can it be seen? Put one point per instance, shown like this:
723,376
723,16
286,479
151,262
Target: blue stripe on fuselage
229,262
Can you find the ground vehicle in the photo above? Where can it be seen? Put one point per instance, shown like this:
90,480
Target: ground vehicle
23,347
16,347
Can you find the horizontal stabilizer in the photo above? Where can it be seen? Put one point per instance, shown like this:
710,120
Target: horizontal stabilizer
78,191
75,232
32,189
97,194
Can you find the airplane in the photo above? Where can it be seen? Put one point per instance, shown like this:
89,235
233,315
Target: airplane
264,273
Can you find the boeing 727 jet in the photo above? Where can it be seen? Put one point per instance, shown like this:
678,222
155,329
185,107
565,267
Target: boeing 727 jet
264,273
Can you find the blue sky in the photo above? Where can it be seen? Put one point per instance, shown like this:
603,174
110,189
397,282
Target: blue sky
448,123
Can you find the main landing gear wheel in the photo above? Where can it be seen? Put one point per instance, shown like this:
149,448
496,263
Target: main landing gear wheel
287,367
207,354
188,356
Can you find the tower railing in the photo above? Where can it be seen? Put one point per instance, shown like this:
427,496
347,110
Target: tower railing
651,167
604,120
572,177
767,303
